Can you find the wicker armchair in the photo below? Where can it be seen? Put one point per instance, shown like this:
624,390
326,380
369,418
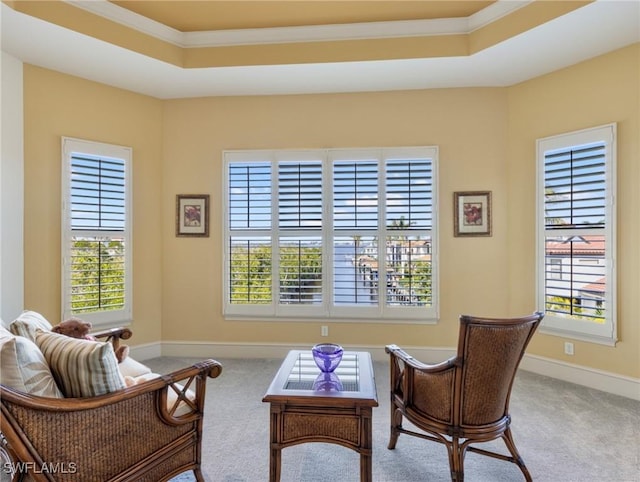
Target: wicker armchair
133,434
465,399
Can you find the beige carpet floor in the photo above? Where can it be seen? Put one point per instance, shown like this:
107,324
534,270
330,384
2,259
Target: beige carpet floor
564,432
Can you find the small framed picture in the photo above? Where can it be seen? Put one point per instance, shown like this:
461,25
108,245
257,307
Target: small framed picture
472,213
192,215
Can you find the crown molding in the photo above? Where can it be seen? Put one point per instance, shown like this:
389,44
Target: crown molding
494,12
315,33
113,12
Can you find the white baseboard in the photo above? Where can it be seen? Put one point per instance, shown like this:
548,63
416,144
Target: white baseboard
597,379
589,377
146,351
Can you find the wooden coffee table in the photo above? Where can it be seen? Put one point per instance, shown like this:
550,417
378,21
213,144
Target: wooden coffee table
308,406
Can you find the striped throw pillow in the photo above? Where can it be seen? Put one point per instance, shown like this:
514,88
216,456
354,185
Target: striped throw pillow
82,368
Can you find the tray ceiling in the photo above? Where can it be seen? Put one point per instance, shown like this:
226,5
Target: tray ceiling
177,49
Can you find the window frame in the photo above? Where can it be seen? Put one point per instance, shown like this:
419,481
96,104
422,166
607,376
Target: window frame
327,309
100,318
605,333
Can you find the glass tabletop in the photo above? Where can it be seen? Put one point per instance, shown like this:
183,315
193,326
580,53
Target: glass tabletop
305,375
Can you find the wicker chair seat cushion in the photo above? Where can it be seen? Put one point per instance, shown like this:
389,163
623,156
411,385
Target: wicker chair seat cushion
82,368
24,368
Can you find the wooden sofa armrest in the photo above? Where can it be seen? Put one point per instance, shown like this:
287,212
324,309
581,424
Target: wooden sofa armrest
128,435
113,335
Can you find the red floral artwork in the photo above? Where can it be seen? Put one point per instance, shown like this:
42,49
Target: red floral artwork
192,215
472,214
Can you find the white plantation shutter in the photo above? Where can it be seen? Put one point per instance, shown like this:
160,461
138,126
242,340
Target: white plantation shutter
575,187
300,195
250,195
96,231
355,194
307,225
409,193
251,259
355,206
300,270
576,228
409,222
356,220
300,212
97,193
250,220
355,277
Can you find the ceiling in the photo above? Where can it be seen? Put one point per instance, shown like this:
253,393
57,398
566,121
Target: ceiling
180,48
192,16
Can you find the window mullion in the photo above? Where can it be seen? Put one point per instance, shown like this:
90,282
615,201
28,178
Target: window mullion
328,235
382,234
275,234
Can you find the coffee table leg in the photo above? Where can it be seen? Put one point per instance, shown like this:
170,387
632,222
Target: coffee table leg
275,448
274,465
367,445
365,468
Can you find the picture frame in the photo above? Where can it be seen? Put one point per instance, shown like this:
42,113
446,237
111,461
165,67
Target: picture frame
192,215
472,213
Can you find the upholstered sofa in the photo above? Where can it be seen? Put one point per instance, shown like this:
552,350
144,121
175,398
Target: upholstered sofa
71,412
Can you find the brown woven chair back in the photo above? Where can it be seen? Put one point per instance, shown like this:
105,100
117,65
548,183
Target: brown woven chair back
490,352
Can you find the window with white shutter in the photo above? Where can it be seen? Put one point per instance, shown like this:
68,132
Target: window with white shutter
409,222
576,234
250,249
337,233
96,232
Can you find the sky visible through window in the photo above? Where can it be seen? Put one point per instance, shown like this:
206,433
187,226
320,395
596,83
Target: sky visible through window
97,193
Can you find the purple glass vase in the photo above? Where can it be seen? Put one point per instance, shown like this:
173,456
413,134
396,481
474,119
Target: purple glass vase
327,356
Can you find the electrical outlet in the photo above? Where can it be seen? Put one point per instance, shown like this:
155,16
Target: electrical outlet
324,330
568,348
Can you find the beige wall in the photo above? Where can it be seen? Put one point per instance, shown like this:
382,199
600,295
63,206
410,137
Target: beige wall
486,138
58,105
593,93
468,125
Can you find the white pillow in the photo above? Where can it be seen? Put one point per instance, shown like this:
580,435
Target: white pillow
82,368
24,368
172,396
28,323
132,368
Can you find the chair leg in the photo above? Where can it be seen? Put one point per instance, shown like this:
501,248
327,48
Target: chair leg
198,473
508,440
396,421
456,460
